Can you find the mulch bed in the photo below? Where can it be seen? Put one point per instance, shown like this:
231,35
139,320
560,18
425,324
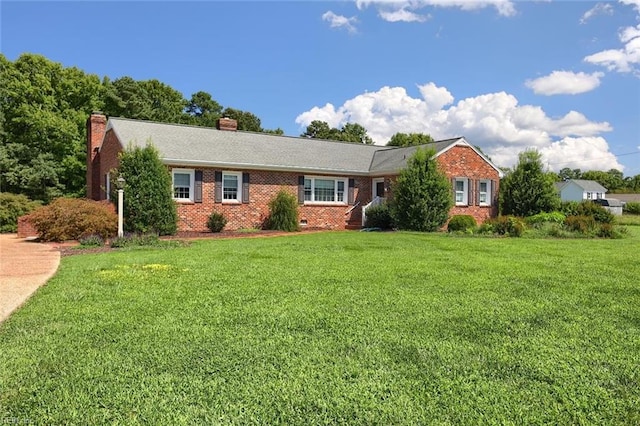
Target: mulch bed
69,248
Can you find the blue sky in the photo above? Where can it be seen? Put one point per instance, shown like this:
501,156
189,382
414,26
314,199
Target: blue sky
558,76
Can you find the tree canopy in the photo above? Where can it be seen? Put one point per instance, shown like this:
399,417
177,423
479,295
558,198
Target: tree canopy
43,111
350,132
409,139
528,190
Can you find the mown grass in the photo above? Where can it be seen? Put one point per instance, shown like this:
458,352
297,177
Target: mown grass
333,328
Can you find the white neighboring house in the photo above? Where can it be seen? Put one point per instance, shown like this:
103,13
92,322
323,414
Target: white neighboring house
579,190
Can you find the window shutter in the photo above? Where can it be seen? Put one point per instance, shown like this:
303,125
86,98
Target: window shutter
300,189
197,191
494,193
470,199
453,190
351,195
245,187
218,187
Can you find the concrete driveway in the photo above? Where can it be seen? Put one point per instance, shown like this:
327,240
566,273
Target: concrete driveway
24,266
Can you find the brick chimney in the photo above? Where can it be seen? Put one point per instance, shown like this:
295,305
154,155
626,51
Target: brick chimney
96,127
225,123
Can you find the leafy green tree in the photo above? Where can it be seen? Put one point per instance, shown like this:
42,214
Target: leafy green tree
148,201
350,132
422,194
246,121
409,139
44,107
203,110
144,100
355,133
283,212
528,190
567,173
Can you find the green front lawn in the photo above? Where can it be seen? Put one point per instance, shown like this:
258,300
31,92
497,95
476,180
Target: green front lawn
330,328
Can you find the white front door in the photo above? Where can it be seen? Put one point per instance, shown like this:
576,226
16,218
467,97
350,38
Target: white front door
377,188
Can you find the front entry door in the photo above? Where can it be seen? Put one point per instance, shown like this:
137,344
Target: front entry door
378,187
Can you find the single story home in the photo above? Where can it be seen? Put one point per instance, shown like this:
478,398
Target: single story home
237,173
580,189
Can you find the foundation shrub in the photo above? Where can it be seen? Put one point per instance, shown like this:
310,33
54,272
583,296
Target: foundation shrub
379,217
461,222
73,219
283,212
216,222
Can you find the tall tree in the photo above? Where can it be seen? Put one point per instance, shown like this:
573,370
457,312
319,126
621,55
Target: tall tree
247,121
145,100
528,190
567,173
44,107
203,110
409,139
422,194
350,132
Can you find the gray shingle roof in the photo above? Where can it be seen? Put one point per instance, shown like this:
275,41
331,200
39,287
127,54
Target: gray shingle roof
586,185
202,146
191,145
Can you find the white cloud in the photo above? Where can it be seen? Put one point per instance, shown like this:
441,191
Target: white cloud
402,15
625,59
339,21
565,83
393,10
598,9
494,121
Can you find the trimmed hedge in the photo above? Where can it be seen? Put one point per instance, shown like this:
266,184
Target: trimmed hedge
74,219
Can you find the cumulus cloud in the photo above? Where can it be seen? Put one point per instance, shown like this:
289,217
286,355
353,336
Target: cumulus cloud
625,59
339,21
405,10
565,83
598,9
402,15
495,121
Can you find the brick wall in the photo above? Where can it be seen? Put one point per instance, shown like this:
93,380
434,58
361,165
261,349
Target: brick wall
464,162
109,151
263,187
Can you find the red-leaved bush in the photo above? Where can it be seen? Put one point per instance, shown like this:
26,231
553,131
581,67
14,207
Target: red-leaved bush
74,218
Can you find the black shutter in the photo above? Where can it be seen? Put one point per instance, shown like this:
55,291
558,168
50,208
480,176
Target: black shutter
351,194
453,190
300,189
245,187
197,191
494,193
470,188
218,187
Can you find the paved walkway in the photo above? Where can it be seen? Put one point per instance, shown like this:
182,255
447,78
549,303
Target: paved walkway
24,266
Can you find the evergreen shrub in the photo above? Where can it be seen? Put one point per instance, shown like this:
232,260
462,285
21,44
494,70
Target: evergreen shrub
12,206
216,222
379,217
283,212
461,222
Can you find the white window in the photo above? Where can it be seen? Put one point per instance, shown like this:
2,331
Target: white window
183,184
461,188
588,195
325,190
232,187
484,192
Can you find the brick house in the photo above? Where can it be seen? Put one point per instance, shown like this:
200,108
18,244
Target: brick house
237,173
